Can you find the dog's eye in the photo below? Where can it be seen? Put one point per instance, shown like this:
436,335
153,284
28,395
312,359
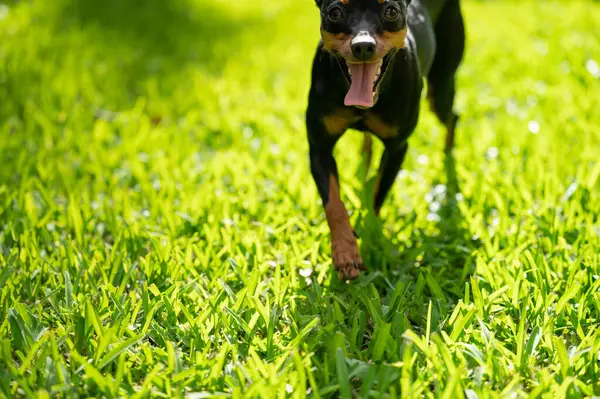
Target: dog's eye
391,13
336,14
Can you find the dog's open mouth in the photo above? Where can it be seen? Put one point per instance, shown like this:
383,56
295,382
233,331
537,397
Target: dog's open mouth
365,79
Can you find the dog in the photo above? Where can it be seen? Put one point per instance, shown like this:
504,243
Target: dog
368,74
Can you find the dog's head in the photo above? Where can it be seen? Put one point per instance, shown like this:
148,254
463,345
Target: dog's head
363,34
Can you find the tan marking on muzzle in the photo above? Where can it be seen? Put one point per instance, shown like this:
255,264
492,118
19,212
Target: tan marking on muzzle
336,42
345,2
392,40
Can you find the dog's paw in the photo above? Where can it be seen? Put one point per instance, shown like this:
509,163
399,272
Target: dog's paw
346,259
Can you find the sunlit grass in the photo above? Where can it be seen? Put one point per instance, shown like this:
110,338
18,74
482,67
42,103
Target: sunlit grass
160,234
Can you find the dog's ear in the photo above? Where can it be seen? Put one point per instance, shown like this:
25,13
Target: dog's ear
319,3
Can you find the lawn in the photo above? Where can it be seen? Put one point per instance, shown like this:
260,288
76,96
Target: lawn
160,234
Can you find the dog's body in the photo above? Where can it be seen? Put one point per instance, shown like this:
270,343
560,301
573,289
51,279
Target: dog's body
368,75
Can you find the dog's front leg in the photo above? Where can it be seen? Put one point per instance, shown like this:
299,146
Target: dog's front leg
391,162
344,248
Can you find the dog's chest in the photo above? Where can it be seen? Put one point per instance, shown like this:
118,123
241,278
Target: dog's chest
337,122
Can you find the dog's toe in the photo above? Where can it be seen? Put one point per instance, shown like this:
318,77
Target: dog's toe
348,272
347,260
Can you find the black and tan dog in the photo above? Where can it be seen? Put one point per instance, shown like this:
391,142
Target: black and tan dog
368,75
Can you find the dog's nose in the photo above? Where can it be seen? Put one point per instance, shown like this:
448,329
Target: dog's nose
364,47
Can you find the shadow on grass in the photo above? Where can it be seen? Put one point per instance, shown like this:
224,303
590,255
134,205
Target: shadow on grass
176,30
365,321
435,265
111,52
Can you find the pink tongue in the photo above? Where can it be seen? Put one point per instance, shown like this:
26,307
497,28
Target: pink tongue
361,88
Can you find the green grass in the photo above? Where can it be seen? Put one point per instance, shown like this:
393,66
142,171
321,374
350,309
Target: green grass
160,234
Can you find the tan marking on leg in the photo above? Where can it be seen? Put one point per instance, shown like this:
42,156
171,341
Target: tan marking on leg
368,153
430,96
379,127
451,127
344,249
450,124
376,191
340,120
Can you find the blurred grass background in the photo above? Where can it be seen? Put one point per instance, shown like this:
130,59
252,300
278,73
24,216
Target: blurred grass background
160,233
